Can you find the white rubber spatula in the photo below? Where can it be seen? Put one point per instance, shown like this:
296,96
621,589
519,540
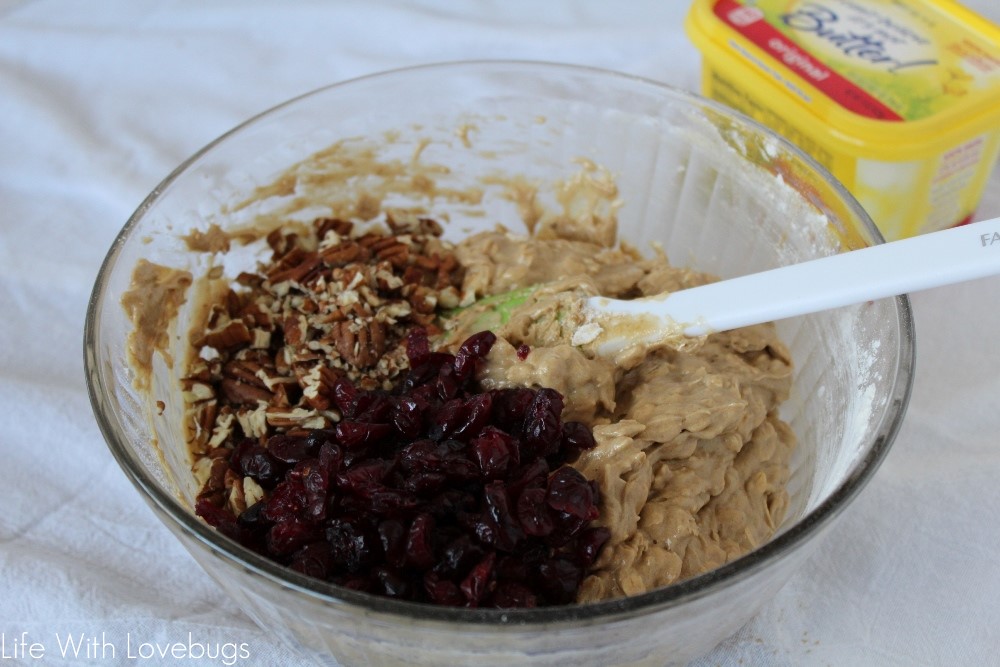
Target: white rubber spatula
921,262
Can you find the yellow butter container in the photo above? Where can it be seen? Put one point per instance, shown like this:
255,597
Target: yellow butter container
899,99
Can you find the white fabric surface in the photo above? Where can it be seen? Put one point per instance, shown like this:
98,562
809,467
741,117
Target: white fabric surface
100,100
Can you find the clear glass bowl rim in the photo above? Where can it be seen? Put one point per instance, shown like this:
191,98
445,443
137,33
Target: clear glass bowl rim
572,615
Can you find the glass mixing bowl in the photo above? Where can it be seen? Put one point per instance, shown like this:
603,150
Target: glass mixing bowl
721,193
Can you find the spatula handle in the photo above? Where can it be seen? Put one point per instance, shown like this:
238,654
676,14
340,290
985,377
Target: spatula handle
913,264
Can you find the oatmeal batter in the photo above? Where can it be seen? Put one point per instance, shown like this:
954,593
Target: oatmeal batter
691,456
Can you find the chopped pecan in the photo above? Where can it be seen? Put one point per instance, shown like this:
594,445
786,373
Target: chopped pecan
230,336
283,418
214,488
449,272
196,392
344,254
234,304
294,327
241,393
222,428
344,339
244,370
336,225
297,272
317,386
204,419
422,299
335,304
246,279
253,423
397,254
427,263
234,485
252,492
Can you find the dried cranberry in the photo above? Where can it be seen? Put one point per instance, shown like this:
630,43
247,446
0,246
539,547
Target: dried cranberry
476,583
364,478
425,372
420,456
251,460
392,502
417,346
532,474
559,578
290,448
317,438
576,438
570,492
354,434
492,451
425,483
514,594
471,351
457,467
345,396
590,543
331,458
523,351
316,484
373,407
408,416
314,560
513,567
534,514
420,542
446,420
434,491
389,583
458,556
567,527
510,406
509,532
447,383
453,504
392,537
286,502
475,415
215,516
485,529
542,423
442,591
252,518
288,536
354,544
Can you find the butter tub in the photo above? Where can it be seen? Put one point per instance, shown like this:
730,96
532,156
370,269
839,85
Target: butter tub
899,99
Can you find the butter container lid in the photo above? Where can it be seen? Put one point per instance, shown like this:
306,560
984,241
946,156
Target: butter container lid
885,73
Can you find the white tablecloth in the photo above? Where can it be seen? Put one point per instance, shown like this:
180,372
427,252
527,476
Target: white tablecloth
99,100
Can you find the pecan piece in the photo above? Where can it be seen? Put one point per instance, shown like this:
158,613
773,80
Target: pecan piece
242,393
232,335
344,254
317,386
234,485
300,272
326,225
244,371
397,254
343,340
214,488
